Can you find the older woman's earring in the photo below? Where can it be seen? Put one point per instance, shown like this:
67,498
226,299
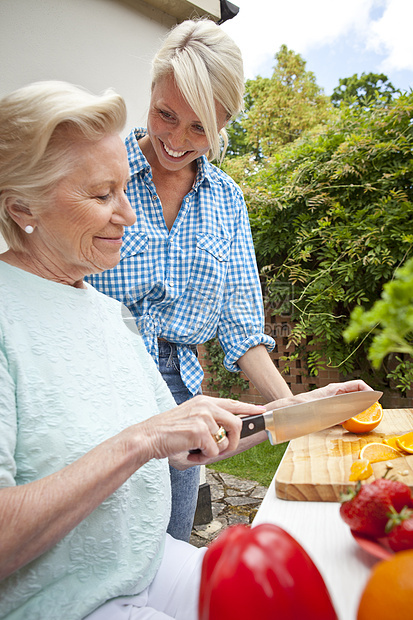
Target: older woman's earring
29,229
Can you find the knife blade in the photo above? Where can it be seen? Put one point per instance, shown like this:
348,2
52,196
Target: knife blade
301,419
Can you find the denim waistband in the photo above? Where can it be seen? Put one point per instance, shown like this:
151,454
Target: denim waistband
166,348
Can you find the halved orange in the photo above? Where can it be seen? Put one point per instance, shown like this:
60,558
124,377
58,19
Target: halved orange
375,452
366,420
405,442
360,470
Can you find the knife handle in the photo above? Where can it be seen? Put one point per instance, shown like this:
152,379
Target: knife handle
252,424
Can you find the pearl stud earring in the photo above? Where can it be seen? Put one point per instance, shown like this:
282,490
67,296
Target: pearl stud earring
29,229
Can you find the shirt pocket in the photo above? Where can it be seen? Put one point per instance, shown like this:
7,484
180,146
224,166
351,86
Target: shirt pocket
134,243
210,266
135,273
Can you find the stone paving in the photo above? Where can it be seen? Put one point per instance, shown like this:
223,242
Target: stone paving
233,499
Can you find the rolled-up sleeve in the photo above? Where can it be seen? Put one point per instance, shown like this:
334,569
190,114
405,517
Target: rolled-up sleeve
241,325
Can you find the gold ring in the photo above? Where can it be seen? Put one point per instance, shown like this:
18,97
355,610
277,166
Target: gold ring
220,434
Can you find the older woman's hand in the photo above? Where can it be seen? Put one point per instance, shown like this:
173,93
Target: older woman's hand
193,425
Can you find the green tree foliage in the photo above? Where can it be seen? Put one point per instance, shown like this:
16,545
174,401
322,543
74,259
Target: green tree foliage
237,134
278,109
363,90
332,213
237,138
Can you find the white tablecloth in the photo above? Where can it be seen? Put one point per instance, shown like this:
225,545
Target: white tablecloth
318,527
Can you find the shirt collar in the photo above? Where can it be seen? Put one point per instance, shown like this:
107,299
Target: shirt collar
137,160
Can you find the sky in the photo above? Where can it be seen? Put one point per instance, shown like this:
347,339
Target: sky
336,38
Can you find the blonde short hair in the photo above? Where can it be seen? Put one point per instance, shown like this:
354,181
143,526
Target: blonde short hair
33,157
207,67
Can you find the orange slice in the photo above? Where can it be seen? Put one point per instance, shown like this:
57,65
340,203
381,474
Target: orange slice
391,441
375,452
360,470
405,442
366,420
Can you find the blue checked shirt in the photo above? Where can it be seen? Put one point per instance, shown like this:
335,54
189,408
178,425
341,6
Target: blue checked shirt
195,281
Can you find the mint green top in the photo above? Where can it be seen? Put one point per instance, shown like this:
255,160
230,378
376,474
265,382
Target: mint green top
72,375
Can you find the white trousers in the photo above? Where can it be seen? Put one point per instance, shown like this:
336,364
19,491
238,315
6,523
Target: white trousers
173,594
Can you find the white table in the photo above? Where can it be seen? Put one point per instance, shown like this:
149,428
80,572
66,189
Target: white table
317,526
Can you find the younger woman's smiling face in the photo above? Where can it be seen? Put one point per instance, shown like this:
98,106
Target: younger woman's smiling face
176,133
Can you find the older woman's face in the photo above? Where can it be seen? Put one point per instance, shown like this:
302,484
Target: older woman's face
81,230
176,133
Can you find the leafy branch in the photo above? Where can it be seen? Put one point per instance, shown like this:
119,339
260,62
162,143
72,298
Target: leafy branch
222,380
390,320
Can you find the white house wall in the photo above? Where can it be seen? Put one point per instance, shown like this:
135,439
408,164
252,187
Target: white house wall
93,43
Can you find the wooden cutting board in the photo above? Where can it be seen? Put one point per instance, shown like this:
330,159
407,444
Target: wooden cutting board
317,467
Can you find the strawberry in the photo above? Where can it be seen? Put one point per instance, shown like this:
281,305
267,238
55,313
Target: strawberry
366,509
400,529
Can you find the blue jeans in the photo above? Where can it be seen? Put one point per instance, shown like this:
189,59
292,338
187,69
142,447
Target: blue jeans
184,484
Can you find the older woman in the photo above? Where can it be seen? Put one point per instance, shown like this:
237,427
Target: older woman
188,269
86,421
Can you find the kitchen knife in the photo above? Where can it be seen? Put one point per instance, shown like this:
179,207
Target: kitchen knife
308,417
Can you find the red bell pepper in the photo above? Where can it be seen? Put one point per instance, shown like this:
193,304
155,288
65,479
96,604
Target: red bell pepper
261,573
